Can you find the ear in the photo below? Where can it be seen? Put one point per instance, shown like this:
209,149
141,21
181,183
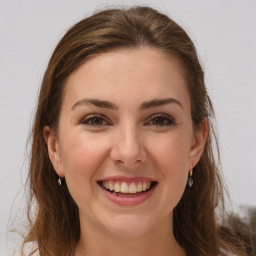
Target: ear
53,150
198,143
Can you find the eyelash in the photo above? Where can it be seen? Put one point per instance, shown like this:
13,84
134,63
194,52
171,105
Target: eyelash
165,121
88,120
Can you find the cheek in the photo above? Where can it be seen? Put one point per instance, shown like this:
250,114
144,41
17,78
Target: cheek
82,155
170,156
173,163
171,151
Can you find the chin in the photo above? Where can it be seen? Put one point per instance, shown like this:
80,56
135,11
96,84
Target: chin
129,226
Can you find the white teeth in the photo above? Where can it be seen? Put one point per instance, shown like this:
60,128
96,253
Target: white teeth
124,187
139,187
110,186
144,186
117,187
132,188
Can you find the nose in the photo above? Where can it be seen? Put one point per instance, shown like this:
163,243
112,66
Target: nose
128,149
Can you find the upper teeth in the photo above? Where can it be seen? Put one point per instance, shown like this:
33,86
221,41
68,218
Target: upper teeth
125,187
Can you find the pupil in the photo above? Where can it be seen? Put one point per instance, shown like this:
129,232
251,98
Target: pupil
159,120
97,121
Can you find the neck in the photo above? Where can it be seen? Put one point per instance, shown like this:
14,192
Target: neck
159,241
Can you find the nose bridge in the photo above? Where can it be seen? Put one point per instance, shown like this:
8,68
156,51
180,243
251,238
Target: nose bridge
128,146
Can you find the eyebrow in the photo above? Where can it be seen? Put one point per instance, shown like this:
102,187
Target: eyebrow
95,102
159,102
110,105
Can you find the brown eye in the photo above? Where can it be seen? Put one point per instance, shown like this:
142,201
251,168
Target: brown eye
94,120
161,120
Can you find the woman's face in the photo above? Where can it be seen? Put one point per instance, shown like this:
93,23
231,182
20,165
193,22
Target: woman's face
125,125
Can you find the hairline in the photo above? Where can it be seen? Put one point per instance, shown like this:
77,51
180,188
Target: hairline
168,54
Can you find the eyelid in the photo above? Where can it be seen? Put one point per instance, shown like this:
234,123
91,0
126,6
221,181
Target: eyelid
85,120
161,115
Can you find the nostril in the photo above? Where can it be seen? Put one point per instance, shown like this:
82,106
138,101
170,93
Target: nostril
128,163
128,154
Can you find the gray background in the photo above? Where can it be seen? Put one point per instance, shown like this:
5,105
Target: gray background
224,33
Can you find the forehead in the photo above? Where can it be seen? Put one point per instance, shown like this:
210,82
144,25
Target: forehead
124,73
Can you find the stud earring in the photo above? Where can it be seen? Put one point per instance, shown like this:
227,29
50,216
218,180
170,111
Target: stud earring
190,180
59,179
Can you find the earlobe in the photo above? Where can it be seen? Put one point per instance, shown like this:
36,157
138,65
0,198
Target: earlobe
53,149
198,144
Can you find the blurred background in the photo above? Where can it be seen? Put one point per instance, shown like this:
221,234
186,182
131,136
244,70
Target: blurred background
225,36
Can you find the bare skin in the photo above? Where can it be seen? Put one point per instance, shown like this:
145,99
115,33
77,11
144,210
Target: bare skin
163,244
127,114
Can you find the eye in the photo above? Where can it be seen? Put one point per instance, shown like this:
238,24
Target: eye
94,120
161,120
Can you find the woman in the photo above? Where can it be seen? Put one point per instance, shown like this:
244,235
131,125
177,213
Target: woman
122,146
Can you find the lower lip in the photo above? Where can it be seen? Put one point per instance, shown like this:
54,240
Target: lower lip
129,201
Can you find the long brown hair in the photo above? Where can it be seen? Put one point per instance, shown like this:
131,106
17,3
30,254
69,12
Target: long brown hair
54,219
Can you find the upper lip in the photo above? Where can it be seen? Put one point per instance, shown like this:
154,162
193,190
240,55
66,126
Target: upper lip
126,179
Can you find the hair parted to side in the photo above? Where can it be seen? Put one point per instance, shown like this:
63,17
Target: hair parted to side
54,227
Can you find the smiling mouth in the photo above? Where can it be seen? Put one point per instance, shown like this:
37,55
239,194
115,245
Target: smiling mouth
125,189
